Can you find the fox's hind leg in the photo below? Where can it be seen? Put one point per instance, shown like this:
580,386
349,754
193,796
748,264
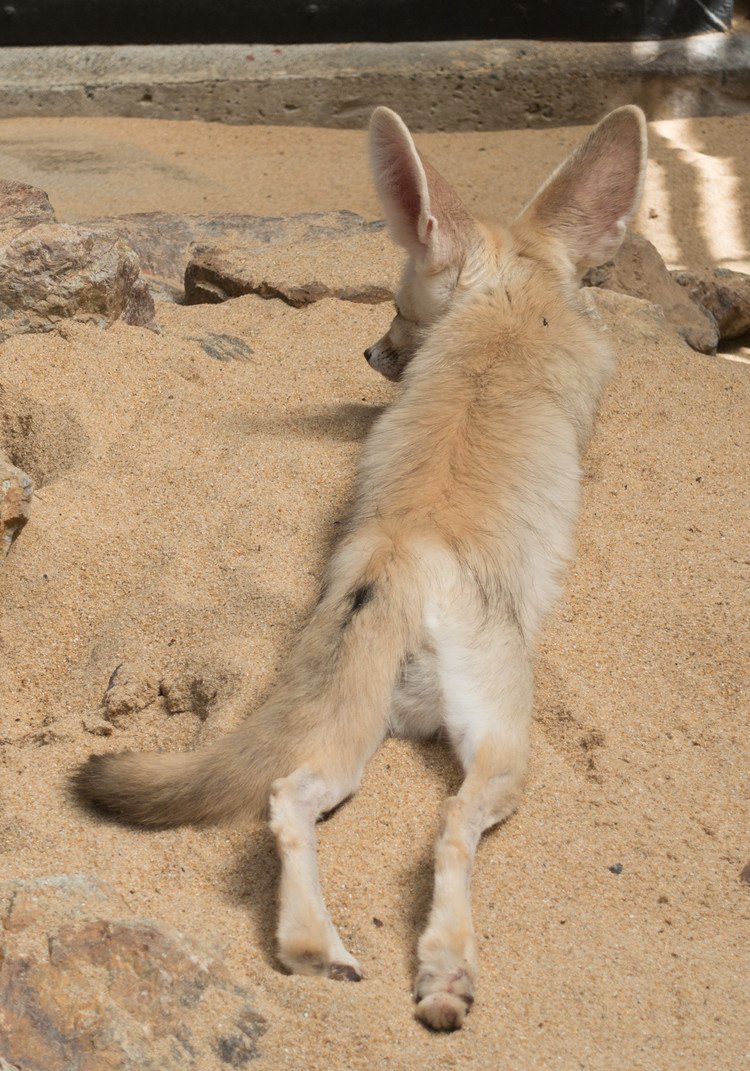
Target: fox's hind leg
486,679
307,939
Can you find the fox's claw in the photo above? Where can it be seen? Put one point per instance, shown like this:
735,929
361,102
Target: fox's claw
344,972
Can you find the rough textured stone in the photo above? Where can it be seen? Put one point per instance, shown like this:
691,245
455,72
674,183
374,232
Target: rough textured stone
214,275
222,347
434,85
54,271
22,207
83,986
298,272
638,270
139,308
725,294
16,491
163,241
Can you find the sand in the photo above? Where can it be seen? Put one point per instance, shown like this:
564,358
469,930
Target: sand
182,516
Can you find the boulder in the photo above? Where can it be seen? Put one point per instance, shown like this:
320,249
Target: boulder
299,270
214,275
723,293
639,271
22,207
16,490
84,985
55,271
51,271
164,241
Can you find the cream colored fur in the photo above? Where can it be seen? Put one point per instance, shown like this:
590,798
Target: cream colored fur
464,521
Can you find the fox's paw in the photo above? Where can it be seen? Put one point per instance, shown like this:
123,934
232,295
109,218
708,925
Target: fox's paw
303,957
444,998
442,1011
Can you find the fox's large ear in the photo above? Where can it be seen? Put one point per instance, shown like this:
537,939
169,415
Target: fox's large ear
424,214
588,202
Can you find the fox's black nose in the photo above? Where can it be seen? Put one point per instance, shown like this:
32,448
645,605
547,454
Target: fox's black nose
368,354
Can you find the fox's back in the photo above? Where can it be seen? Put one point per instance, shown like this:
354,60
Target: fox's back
481,452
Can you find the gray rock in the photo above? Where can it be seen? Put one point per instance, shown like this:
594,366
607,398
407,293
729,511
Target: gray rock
221,347
16,490
639,271
215,275
163,240
22,207
301,269
50,271
82,985
725,295
54,271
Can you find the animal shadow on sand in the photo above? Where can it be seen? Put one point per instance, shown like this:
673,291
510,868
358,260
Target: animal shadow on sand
347,422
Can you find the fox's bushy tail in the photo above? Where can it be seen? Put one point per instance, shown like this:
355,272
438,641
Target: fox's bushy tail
329,711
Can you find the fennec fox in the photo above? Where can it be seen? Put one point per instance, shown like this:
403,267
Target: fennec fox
467,499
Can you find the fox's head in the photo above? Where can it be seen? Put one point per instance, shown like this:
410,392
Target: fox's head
576,220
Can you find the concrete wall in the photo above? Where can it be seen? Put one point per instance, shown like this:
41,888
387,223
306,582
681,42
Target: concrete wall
490,85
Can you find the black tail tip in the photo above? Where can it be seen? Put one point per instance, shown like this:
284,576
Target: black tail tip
90,785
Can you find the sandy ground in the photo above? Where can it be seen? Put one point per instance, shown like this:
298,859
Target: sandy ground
696,207
182,518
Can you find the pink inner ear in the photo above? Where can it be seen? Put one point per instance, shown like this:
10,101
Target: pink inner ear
403,188
399,180
609,189
590,199
424,214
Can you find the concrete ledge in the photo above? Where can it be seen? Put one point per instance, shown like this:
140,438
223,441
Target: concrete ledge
470,85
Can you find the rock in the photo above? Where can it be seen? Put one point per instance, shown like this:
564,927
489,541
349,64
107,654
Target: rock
16,489
163,240
725,295
214,275
50,271
632,321
84,986
223,347
366,293
139,308
298,273
54,271
638,270
22,207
